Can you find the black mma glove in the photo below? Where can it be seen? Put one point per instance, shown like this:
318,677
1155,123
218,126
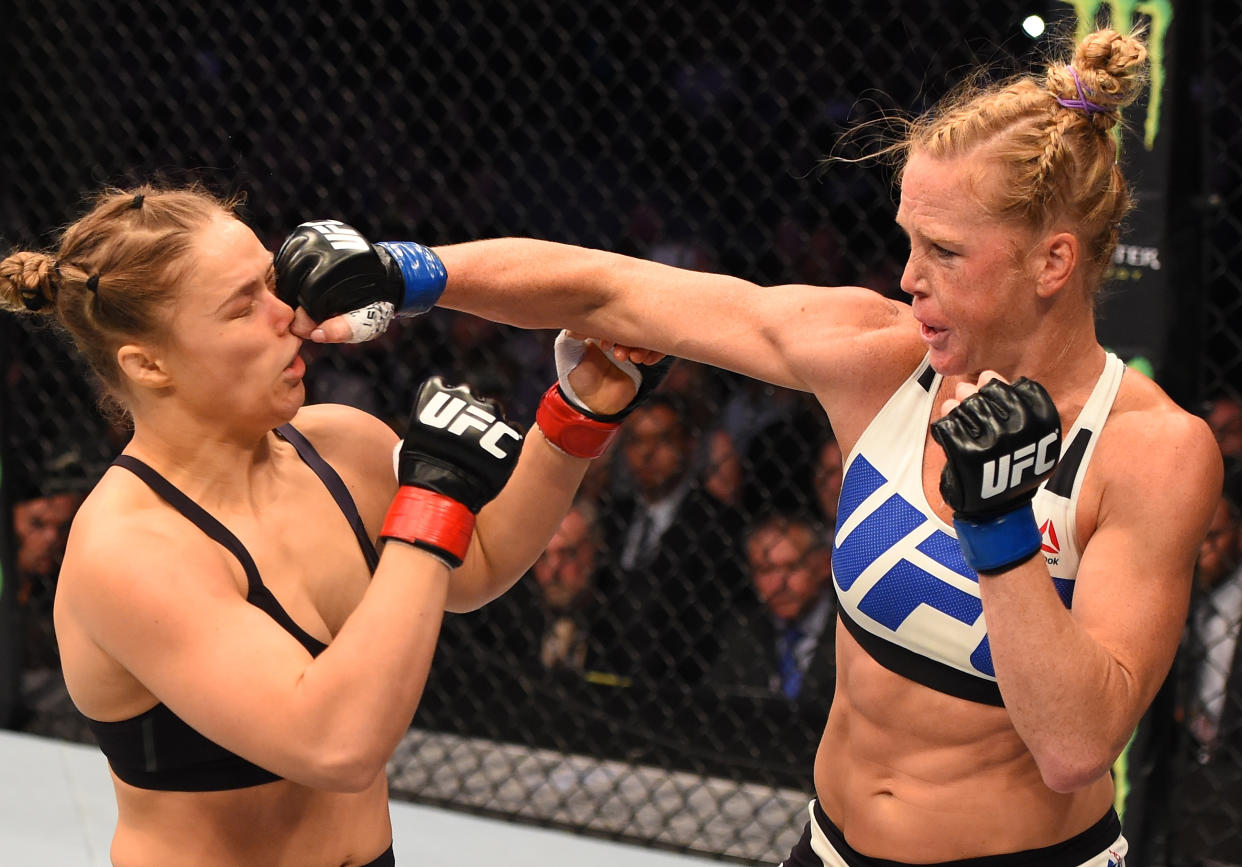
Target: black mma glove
566,421
458,453
1001,443
328,268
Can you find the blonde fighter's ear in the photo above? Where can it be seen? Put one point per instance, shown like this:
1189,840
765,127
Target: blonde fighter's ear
1057,260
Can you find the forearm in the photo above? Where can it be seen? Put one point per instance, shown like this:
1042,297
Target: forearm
1071,701
514,528
529,283
359,695
543,284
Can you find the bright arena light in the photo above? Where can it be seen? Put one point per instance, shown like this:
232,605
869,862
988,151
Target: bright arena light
1033,25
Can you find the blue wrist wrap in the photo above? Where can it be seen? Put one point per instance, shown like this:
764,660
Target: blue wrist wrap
998,543
422,272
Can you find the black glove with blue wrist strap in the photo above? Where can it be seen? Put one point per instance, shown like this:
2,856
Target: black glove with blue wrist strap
329,268
1001,443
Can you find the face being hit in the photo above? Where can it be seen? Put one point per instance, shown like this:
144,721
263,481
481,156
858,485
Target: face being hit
231,332
965,277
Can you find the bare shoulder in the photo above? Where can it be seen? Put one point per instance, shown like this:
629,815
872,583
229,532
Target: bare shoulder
1152,448
814,319
854,347
118,554
336,422
348,438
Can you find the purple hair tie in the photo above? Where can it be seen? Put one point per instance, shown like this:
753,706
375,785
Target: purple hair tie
1082,103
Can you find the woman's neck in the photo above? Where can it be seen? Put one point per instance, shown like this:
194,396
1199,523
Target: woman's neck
210,463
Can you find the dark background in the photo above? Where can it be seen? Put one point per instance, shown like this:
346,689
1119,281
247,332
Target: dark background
693,133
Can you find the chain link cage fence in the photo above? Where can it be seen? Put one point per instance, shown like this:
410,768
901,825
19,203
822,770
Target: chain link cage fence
688,132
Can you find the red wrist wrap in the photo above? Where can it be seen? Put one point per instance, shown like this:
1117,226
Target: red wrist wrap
569,430
429,520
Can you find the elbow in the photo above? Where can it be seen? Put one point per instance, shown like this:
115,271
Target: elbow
1075,762
349,770
465,600
1065,774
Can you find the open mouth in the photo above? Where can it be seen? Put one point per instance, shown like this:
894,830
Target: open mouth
297,366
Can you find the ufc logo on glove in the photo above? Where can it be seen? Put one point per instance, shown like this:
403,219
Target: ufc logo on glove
1006,472
999,444
338,235
445,412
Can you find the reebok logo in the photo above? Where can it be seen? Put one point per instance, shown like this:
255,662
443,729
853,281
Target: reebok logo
1051,545
339,236
455,415
1006,472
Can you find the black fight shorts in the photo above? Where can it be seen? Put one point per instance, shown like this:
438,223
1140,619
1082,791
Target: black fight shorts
1101,845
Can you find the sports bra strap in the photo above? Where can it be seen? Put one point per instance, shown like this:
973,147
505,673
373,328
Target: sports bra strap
195,513
257,593
336,487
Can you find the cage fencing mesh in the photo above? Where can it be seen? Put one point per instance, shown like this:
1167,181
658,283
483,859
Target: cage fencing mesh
689,132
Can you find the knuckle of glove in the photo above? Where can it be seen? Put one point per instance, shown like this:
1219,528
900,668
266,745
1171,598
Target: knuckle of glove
978,414
343,283
347,287
329,277
292,265
1036,399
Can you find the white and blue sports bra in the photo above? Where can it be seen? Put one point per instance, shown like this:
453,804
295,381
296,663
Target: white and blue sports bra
906,594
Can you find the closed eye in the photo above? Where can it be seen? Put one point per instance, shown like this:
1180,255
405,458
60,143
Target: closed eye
245,304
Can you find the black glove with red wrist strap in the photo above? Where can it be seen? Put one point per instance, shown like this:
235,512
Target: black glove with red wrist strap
458,453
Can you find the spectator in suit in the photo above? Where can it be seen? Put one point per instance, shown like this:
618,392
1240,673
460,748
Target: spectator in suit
41,521
675,548
784,647
42,526
565,587
1206,821
537,651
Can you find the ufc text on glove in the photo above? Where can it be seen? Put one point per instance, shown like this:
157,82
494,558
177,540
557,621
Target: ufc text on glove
457,454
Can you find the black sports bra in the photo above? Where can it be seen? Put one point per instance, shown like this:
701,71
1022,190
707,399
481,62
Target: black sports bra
157,749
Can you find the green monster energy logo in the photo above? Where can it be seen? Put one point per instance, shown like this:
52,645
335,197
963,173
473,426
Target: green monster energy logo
1121,12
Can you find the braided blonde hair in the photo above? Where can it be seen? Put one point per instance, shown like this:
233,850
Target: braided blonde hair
1048,144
